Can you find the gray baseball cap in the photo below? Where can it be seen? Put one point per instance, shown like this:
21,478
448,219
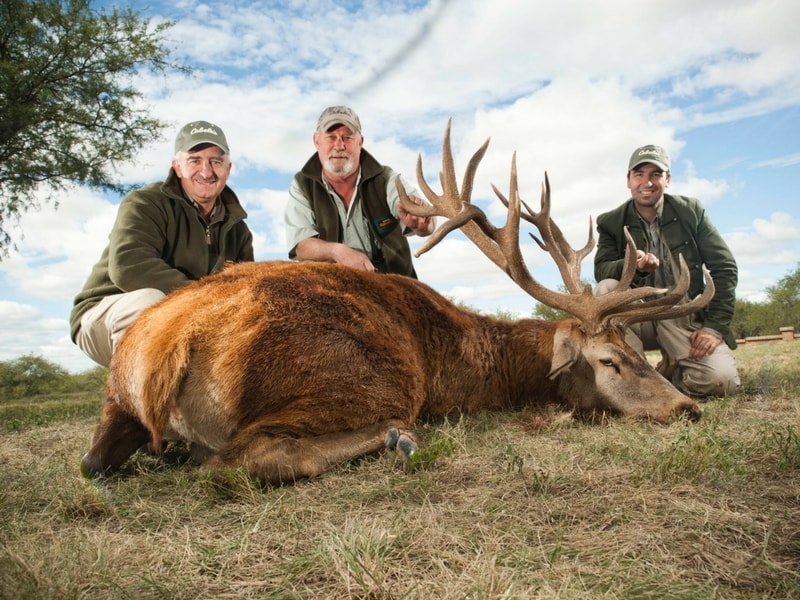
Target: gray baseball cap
339,115
650,154
200,132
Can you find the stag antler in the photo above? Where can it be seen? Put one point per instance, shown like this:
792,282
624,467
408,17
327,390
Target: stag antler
624,306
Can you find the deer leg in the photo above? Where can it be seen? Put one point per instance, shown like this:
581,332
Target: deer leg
115,439
279,459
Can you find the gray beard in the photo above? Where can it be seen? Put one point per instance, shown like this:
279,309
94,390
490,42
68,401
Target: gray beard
345,169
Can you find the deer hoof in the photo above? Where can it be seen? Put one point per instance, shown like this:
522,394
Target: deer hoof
404,444
407,446
392,436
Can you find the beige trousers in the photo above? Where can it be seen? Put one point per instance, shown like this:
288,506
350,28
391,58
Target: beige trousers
103,325
712,375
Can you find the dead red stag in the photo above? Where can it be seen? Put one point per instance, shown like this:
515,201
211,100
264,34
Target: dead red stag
288,369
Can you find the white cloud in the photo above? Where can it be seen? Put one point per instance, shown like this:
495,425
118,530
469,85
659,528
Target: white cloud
26,331
778,162
773,241
700,187
60,246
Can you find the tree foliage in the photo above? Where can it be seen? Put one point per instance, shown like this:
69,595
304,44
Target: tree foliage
69,113
784,297
28,375
751,319
32,375
781,309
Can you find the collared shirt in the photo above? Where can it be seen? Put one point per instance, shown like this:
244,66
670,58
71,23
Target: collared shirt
355,228
212,225
662,276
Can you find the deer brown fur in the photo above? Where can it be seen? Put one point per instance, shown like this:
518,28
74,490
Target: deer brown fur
289,368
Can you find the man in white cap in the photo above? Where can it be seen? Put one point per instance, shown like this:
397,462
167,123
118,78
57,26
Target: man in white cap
343,204
698,347
166,235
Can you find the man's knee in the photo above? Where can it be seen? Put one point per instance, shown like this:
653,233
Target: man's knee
605,286
128,308
720,381
145,297
103,325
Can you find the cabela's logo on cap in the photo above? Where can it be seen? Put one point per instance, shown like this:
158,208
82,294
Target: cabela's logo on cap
650,154
651,150
197,130
339,115
200,132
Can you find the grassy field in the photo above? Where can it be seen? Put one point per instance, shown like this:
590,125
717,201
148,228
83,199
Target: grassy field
530,504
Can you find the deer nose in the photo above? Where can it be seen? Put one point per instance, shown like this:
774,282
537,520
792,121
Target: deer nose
690,410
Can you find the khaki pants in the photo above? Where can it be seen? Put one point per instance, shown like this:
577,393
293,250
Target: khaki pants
712,375
102,325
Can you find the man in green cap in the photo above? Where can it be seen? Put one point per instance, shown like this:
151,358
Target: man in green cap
698,347
166,235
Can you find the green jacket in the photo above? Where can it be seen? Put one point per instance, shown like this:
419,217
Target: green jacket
394,255
687,230
158,241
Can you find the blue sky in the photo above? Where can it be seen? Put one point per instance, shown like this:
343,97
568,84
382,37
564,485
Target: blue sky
573,87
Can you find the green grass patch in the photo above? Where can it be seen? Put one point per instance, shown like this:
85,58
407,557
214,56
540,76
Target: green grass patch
41,411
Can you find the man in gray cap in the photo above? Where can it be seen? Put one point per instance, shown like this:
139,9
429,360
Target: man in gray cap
343,204
697,348
166,235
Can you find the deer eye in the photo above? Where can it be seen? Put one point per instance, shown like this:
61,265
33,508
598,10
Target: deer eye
607,362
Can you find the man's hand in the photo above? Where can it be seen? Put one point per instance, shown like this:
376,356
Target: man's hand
704,343
646,262
422,226
314,248
347,256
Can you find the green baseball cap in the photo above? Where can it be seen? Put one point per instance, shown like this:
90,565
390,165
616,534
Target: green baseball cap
649,154
200,132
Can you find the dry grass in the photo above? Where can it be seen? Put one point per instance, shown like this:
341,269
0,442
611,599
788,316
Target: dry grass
512,505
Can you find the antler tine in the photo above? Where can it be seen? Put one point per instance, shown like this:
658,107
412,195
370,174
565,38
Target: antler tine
629,265
455,206
646,313
624,295
501,245
567,259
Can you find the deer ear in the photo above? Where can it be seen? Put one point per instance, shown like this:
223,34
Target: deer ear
565,352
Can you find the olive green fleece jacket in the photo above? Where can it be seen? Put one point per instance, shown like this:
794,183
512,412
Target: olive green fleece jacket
158,241
687,230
